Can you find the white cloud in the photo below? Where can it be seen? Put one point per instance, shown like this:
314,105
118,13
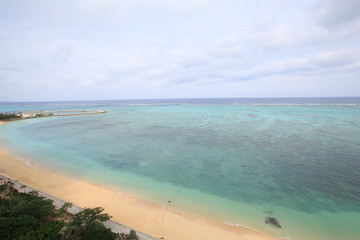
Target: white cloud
329,61
337,12
186,47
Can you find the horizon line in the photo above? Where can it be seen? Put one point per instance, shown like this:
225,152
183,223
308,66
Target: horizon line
188,98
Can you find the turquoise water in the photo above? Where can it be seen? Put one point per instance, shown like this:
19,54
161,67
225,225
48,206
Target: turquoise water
238,161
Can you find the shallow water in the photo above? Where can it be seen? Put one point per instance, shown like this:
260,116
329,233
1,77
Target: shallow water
235,160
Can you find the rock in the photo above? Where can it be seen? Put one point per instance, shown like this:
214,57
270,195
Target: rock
273,222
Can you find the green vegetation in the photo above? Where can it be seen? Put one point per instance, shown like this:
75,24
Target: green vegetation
30,217
8,115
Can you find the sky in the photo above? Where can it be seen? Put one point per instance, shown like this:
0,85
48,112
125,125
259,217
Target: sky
142,49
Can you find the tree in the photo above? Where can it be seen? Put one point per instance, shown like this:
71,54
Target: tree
64,208
12,227
28,217
31,217
49,230
89,215
97,231
10,185
7,115
132,236
85,221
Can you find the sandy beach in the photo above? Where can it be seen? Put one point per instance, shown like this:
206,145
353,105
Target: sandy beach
137,213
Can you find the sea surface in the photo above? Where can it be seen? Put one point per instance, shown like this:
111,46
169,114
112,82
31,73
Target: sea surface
235,160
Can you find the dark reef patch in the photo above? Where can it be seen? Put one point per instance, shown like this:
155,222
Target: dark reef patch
273,222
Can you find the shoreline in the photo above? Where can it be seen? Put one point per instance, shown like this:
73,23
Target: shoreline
137,213
40,113
58,203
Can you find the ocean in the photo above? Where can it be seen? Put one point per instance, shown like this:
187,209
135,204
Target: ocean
235,160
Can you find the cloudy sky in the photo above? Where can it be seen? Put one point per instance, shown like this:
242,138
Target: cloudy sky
126,49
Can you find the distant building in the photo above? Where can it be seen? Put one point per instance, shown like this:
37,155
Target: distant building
30,114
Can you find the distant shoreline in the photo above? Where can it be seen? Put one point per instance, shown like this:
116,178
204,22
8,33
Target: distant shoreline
60,113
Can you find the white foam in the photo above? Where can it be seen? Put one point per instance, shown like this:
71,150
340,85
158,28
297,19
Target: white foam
239,225
298,104
284,237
